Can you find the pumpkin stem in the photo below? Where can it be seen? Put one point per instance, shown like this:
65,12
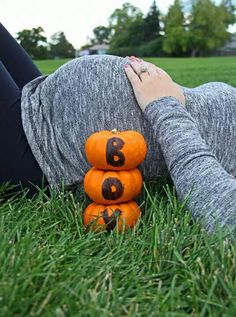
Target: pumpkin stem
114,131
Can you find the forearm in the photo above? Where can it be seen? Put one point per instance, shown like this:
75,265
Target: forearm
194,169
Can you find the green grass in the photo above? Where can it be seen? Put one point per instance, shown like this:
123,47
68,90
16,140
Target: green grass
49,66
188,72
168,266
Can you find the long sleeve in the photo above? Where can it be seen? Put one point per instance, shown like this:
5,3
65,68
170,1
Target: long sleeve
194,169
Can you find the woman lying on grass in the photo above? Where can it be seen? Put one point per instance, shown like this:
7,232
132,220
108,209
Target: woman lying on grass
45,121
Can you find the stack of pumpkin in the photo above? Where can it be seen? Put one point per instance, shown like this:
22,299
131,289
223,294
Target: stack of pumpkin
114,180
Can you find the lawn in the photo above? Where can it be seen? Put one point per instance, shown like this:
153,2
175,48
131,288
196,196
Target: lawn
168,266
188,72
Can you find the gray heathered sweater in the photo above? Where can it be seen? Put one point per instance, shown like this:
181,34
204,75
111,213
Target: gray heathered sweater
196,144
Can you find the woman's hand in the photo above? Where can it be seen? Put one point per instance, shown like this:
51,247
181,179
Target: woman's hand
150,83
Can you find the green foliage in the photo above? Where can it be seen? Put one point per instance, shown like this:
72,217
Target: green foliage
124,51
227,9
201,30
152,48
102,35
120,22
151,24
59,46
207,27
37,46
121,18
197,31
34,42
191,27
134,34
176,36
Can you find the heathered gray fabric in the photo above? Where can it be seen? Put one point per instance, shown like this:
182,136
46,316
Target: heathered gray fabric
193,166
60,111
92,93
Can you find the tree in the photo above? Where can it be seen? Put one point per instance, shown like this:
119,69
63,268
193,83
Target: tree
102,35
60,47
176,41
34,42
227,8
135,33
120,22
151,24
208,26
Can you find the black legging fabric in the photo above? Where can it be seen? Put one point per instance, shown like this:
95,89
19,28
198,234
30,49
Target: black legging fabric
18,165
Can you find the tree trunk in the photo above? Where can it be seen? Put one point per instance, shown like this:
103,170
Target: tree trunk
194,52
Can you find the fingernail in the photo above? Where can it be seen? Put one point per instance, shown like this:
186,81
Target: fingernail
126,65
136,58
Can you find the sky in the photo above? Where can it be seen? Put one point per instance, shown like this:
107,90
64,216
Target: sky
77,18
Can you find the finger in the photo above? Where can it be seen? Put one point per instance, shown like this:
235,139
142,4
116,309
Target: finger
155,70
151,69
132,76
133,58
137,67
144,75
136,58
162,72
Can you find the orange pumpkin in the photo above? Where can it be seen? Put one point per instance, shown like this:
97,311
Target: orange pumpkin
114,150
102,217
112,187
